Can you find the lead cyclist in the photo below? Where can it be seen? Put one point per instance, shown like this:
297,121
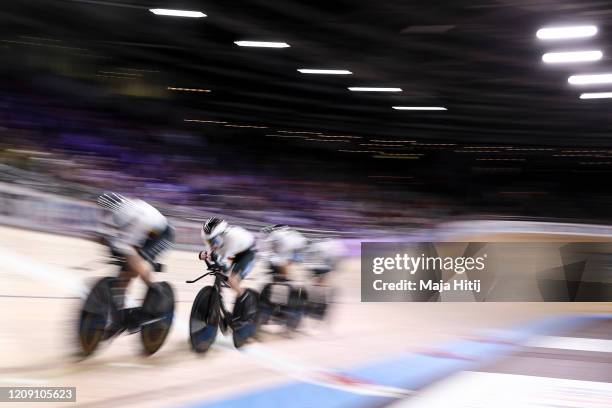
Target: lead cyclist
137,234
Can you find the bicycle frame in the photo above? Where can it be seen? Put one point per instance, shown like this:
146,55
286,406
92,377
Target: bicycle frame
219,283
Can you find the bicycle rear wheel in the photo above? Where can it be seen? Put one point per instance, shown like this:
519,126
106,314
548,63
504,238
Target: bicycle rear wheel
244,318
318,305
295,310
204,319
158,314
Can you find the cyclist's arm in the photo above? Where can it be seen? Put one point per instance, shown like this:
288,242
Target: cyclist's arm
213,258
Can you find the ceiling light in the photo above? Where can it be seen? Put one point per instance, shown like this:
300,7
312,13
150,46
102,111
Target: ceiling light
372,89
420,108
265,44
177,13
573,56
596,95
558,33
325,71
590,79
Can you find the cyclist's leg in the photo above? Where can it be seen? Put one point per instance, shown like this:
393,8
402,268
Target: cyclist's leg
234,282
119,286
131,266
144,261
281,267
140,265
319,288
240,269
280,272
320,275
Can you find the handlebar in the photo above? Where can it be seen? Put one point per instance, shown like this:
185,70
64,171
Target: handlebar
197,279
213,269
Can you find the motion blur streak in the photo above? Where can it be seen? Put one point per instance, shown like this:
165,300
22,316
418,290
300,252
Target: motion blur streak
41,273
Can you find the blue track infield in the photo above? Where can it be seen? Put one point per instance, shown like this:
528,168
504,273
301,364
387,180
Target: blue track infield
409,371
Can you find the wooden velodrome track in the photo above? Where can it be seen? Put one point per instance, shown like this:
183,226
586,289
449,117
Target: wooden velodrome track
43,275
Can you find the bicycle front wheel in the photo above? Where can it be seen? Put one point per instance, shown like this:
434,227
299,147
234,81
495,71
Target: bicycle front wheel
204,319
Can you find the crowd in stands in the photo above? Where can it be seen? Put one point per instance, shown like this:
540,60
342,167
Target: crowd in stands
84,153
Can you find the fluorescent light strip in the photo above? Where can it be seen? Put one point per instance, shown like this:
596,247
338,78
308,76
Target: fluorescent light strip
558,33
573,56
172,88
590,79
264,44
177,13
596,95
420,108
325,71
373,89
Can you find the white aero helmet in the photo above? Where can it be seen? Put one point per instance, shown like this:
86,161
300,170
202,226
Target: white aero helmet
212,228
119,206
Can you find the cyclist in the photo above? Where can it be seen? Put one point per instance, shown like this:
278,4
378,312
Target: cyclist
138,234
286,247
322,257
233,249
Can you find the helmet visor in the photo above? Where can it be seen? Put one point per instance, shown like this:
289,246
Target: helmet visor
214,242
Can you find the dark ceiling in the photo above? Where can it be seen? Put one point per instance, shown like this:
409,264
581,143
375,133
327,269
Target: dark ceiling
480,59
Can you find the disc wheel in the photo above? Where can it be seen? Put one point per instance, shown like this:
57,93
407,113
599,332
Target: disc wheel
204,319
95,317
265,307
158,314
319,308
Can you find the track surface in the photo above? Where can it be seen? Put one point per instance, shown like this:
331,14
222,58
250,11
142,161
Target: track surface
43,275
